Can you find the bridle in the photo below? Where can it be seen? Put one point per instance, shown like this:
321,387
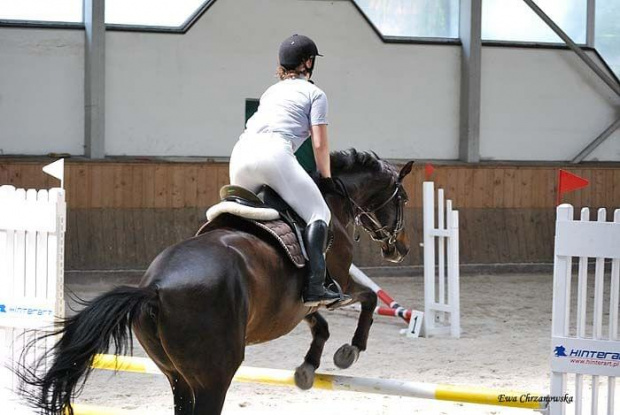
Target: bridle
375,229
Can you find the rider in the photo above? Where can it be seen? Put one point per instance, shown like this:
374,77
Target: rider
291,111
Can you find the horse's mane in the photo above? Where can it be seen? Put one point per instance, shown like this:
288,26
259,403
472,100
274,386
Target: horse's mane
353,161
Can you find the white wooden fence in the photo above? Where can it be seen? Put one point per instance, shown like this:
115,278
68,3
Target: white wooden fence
32,229
441,288
585,349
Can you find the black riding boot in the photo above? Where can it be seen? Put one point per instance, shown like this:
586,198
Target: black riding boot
315,239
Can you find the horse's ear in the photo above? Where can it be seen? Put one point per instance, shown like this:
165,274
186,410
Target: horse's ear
405,170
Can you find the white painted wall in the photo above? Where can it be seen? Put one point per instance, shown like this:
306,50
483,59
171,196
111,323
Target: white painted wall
41,91
184,95
540,104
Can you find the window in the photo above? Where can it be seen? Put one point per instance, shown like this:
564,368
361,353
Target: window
154,13
166,13
513,20
413,18
607,37
42,10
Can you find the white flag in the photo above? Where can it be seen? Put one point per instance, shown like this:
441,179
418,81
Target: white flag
57,170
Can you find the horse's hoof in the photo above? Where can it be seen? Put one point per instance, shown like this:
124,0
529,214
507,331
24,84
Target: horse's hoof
346,356
304,376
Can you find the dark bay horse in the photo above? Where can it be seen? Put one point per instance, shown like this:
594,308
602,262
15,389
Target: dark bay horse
203,300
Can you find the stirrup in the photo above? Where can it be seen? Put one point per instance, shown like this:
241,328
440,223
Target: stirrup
327,297
345,299
335,299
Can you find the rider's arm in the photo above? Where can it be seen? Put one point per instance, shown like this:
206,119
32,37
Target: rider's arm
318,121
321,149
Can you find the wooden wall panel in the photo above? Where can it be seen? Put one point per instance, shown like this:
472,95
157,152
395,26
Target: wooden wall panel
123,213
175,185
99,239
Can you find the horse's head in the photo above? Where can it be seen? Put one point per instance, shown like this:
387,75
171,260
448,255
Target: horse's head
383,217
377,197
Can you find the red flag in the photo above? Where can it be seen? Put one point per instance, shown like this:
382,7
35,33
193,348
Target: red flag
568,182
428,171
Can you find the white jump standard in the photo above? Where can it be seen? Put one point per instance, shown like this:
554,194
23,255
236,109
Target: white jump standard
573,351
32,228
442,314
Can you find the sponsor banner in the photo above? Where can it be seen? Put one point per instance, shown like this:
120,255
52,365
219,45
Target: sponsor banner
24,309
585,356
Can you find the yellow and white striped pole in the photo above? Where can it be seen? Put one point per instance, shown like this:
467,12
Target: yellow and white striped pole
278,377
80,409
125,364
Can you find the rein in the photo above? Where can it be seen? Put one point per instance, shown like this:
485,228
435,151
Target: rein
377,232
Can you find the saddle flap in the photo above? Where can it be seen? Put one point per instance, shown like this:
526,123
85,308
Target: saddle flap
272,199
287,238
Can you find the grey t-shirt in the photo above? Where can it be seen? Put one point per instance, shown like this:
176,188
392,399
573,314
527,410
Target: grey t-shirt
290,108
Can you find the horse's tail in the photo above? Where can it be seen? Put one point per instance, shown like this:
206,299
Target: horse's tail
107,318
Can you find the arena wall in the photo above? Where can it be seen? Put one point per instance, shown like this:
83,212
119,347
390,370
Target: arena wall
121,214
184,94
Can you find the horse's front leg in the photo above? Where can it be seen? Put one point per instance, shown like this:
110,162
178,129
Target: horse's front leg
348,354
304,374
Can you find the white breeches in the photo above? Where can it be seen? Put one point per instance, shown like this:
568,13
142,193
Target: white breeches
268,158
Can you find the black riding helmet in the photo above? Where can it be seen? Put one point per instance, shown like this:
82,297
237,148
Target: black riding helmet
295,50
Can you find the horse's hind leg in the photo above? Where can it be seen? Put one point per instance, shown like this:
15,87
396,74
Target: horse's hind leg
183,394
304,374
210,399
347,354
211,378
147,333
203,332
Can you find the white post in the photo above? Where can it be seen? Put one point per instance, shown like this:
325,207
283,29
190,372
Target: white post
429,256
614,301
454,275
561,267
56,270
441,259
599,272
582,300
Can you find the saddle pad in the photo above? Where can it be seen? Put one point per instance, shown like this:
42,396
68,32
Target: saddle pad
246,212
280,231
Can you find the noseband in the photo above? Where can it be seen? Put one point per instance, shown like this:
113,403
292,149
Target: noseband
377,232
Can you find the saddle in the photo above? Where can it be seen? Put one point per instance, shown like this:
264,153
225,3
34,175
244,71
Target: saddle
265,210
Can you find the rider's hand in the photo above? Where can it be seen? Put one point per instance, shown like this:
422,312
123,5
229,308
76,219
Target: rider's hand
327,185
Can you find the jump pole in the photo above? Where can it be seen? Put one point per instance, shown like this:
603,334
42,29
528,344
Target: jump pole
403,313
278,377
412,317
80,409
361,278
